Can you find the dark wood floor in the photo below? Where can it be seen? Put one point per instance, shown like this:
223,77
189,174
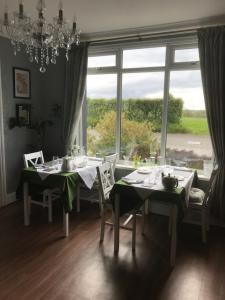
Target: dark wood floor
37,263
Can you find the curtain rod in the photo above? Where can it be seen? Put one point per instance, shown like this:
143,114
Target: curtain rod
167,30
142,36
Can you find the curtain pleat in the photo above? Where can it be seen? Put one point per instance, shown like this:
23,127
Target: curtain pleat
212,60
75,83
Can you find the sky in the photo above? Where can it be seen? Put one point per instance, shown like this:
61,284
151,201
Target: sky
183,84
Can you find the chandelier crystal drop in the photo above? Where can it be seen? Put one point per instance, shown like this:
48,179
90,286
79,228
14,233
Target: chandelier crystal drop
41,40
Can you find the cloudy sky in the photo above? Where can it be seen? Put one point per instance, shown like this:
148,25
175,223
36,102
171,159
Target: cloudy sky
184,84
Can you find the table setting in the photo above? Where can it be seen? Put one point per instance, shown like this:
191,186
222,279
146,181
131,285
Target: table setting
83,165
167,185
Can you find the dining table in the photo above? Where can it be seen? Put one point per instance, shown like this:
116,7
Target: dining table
52,176
145,184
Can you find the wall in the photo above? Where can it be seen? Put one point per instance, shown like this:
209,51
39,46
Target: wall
18,139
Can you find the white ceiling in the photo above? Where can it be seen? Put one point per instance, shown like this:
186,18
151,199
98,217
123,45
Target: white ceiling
109,15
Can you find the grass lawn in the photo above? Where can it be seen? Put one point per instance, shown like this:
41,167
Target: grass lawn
195,125
190,125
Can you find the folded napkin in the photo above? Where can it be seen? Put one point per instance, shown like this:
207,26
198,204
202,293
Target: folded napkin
44,173
88,175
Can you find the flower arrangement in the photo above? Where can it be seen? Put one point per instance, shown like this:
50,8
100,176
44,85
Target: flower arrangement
136,160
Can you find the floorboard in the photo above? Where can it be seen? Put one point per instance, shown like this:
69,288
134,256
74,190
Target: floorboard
36,262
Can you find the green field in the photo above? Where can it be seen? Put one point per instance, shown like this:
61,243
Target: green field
195,125
190,125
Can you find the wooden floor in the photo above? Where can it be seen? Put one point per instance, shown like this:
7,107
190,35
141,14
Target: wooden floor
38,263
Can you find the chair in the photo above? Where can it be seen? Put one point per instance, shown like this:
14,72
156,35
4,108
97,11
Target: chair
113,158
48,195
199,200
106,182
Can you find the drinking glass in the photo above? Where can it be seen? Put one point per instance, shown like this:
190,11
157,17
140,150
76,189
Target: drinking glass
55,161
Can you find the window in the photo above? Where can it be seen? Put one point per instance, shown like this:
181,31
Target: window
186,55
148,57
101,114
101,61
141,117
188,141
147,103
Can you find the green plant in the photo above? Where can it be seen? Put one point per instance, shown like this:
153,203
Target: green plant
40,128
136,138
139,110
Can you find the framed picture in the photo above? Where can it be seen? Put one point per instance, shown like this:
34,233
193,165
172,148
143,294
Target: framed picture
23,114
21,83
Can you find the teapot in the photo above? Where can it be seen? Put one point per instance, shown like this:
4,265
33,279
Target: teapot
169,182
67,165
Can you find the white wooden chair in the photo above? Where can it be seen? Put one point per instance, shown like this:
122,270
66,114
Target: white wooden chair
113,158
48,195
199,200
106,182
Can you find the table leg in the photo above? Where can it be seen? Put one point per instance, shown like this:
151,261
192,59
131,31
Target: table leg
117,220
26,204
174,235
65,223
78,196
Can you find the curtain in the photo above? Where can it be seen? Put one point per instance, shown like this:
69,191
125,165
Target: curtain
75,83
212,59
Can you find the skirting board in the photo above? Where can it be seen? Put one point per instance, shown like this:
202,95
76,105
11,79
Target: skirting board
10,198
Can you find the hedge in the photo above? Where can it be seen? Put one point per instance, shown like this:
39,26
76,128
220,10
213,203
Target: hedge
140,110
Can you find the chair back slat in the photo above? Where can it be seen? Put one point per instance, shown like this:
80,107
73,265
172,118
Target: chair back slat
106,180
210,186
32,159
112,159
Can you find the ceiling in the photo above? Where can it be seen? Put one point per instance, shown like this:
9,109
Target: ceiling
98,16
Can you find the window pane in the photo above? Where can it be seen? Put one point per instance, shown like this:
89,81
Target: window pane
188,141
101,61
148,57
186,55
101,114
142,116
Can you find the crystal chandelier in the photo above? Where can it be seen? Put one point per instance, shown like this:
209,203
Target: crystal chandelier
41,40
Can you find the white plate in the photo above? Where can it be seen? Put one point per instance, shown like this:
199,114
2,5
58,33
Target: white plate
144,170
131,181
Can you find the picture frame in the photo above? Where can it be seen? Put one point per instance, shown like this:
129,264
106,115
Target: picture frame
23,114
21,83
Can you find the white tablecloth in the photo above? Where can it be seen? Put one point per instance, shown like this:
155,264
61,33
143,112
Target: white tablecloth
87,173
153,178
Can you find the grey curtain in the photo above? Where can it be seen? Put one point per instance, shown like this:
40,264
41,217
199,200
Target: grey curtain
212,60
75,82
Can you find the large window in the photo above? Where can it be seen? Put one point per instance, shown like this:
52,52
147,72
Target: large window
147,102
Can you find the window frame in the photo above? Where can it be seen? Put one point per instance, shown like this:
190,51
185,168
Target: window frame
171,44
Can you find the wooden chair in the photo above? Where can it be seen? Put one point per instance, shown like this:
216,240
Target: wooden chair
48,195
106,182
113,158
199,200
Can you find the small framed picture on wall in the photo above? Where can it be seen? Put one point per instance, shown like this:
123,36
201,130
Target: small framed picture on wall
21,83
23,114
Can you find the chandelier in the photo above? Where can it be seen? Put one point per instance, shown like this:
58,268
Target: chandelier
41,40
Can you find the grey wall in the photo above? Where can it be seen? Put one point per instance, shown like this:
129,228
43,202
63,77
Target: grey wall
46,90
17,140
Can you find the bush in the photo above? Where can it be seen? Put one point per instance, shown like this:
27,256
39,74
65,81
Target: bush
136,138
139,110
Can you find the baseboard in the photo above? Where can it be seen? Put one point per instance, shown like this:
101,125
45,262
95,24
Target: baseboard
10,198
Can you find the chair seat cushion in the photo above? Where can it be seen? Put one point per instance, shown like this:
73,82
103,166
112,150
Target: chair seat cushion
196,195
